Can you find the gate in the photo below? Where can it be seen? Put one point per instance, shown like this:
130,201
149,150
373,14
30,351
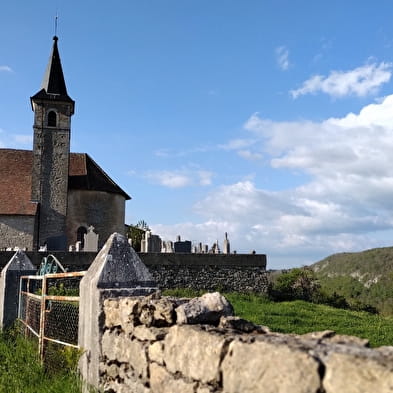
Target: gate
49,308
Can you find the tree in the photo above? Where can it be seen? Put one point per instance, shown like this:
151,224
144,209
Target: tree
299,283
135,233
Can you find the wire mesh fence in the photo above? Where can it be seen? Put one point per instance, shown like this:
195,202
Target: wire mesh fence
49,309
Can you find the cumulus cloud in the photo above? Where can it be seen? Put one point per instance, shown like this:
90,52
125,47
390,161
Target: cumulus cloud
180,178
282,57
345,204
360,81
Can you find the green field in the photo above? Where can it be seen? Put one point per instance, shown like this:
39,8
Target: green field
302,317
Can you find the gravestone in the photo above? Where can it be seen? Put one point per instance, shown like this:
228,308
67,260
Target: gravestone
227,247
78,246
91,240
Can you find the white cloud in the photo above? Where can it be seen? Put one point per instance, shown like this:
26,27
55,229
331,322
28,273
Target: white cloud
180,178
360,81
236,144
282,57
345,204
4,68
249,155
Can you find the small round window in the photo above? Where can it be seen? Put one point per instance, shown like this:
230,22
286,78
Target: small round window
52,119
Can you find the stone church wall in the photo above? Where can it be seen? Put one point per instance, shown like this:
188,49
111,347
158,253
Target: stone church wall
103,210
145,350
16,231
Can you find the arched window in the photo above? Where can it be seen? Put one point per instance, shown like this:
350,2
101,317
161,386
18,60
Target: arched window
80,236
52,119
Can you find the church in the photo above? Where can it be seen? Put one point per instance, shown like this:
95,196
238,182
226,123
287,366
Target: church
49,196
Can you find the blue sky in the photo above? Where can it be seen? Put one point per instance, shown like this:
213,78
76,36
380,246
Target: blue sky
272,121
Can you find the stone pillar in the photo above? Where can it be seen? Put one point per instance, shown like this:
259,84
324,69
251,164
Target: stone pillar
19,265
116,271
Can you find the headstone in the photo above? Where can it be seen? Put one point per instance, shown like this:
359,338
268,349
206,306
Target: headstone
78,246
227,248
71,248
182,246
144,242
90,240
19,265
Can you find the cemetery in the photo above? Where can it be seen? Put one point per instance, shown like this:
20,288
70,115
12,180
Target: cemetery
71,278
133,339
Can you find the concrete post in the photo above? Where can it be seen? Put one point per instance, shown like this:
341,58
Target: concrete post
19,265
116,271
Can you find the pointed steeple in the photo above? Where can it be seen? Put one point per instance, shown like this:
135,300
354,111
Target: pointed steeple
53,81
53,85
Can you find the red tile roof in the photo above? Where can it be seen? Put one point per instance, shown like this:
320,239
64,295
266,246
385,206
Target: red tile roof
15,180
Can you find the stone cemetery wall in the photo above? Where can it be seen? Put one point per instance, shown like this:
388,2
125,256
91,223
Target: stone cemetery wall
158,344
234,272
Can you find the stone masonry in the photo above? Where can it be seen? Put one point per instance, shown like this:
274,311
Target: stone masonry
146,350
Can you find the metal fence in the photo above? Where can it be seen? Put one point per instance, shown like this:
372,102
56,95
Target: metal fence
49,308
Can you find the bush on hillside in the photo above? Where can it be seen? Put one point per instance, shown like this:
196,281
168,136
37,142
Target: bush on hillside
297,284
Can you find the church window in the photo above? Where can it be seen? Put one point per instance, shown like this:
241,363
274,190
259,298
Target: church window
52,119
80,235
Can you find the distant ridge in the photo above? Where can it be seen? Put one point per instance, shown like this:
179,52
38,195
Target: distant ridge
365,276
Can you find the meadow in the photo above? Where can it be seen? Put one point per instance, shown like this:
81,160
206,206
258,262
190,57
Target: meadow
301,317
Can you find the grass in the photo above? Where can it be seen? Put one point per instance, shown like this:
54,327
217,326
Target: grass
302,317
20,370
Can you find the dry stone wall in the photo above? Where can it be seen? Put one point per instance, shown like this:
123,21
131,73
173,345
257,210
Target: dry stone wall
210,278
145,350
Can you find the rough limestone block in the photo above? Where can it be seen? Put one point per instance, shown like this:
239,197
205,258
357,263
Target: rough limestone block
164,312
193,352
112,313
269,367
144,333
242,325
204,389
117,387
156,352
351,373
163,382
208,308
113,346
129,313
136,357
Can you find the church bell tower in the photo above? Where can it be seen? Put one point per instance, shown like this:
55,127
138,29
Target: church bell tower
52,109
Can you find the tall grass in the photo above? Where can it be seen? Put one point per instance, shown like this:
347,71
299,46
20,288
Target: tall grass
21,372
302,317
